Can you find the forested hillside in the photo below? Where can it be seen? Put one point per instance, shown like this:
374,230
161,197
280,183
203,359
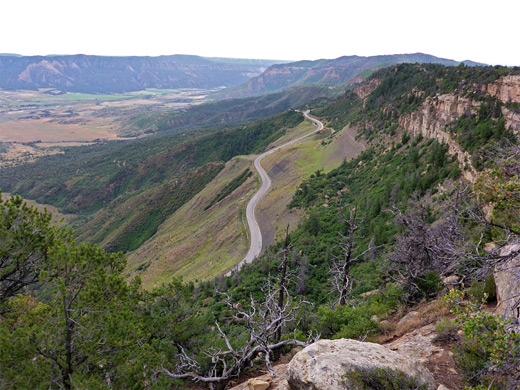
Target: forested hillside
427,211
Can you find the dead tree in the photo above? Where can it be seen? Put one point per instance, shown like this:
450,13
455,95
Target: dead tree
341,278
420,250
301,285
283,279
262,322
446,246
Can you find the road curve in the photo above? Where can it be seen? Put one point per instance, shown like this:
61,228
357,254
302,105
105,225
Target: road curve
255,245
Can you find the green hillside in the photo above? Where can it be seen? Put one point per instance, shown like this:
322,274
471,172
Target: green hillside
220,114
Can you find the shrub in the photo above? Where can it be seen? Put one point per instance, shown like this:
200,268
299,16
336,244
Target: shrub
345,322
446,331
489,354
430,284
486,288
382,379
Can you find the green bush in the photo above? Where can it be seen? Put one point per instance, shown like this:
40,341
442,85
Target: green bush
488,354
446,331
487,288
382,379
430,284
345,322
472,360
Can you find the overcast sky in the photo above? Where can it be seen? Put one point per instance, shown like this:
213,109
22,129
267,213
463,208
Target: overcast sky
485,31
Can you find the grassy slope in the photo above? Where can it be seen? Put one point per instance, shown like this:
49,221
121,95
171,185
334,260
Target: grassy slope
223,113
57,217
290,166
198,244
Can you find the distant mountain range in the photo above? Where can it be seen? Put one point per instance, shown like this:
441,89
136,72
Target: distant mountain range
326,72
100,74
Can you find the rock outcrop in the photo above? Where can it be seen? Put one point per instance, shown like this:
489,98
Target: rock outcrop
419,346
278,382
407,317
506,89
507,280
365,89
104,74
323,365
432,118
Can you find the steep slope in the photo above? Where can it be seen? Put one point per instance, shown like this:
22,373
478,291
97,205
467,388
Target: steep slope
198,243
327,72
98,74
195,242
130,221
397,166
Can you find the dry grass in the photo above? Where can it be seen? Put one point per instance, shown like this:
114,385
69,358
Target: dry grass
428,313
289,166
195,243
29,116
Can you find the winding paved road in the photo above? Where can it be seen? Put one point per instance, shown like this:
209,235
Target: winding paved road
255,245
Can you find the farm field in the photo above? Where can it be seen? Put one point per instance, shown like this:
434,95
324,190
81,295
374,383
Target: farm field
45,121
29,116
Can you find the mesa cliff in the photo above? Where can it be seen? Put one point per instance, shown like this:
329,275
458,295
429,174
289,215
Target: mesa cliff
437,113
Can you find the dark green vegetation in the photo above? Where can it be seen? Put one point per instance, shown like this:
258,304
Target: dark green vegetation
375,182
391,222
130,221
489,353
481,133
334,72
230,187
403,89
96,74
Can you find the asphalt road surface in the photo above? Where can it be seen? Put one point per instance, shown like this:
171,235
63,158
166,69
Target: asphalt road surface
255,245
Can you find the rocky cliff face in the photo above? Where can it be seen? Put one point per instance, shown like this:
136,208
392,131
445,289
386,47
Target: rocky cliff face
506,89
365,89
97,74
432,118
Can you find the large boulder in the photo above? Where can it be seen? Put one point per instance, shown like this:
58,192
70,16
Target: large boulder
323,365
507,280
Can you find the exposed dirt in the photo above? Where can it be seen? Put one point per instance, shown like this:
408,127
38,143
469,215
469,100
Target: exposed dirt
416,337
